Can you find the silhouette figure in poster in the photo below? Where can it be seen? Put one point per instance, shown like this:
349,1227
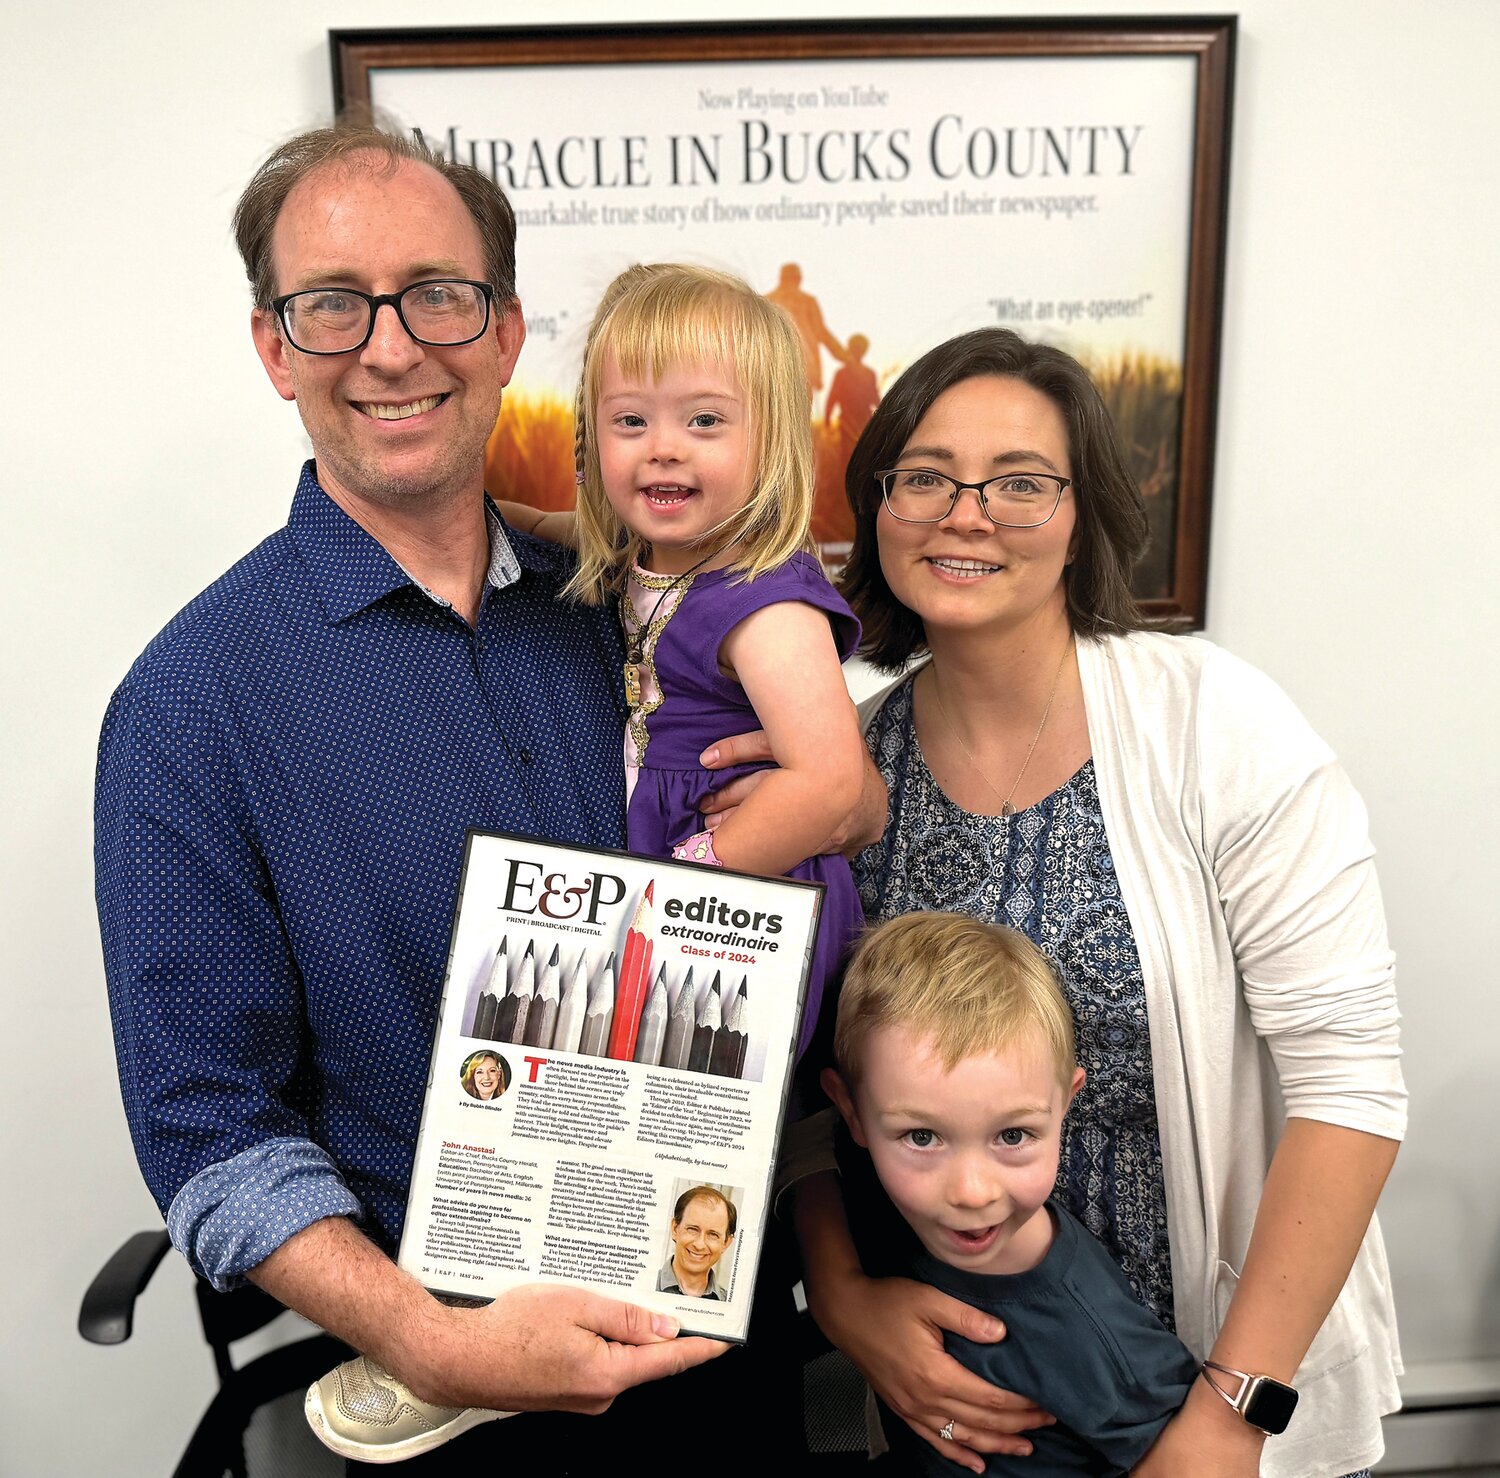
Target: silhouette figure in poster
852,397
807,317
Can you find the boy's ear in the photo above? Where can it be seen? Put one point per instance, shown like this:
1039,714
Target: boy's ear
1078,1076
838,1090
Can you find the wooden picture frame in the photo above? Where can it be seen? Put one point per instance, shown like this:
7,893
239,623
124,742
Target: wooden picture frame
1066,177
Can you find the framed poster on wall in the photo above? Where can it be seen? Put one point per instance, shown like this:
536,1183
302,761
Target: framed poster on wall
890,184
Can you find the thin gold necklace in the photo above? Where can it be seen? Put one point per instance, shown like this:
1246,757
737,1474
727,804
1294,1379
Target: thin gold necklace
1006,808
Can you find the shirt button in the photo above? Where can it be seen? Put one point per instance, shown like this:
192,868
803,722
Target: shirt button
525,756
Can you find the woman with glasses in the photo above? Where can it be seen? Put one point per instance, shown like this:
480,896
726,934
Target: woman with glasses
1160,820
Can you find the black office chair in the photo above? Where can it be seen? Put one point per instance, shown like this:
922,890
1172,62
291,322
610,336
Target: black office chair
832,1393
218,1446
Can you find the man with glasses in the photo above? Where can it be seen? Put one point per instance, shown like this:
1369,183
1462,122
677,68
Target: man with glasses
286,774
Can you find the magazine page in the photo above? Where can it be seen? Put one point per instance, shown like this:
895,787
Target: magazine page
613,1054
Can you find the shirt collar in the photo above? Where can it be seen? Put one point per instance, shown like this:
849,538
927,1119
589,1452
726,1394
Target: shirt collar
668,1276
352,569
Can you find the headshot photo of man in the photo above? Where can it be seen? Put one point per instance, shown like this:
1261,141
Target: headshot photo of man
702,1231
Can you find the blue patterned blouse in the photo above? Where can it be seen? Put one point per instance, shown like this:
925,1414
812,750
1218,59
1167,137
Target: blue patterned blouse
1047,871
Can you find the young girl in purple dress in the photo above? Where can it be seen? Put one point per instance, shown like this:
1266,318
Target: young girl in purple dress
695,492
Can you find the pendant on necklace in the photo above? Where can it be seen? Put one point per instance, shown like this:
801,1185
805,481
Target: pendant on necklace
1006,809
633,684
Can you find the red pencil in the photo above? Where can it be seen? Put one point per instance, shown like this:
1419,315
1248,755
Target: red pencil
635,979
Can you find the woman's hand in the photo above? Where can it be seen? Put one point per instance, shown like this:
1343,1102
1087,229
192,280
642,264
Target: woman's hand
1204,1440
863,825
892,1329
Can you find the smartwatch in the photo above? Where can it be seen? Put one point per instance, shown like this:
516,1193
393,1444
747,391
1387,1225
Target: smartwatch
1260,1400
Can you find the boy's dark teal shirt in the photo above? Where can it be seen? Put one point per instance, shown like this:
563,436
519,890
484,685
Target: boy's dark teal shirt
285,779
1078,1344
1077,1341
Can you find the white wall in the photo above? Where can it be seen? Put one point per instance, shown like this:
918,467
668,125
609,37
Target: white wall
1354,556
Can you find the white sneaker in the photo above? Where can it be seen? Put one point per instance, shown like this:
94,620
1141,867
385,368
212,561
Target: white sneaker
365,1413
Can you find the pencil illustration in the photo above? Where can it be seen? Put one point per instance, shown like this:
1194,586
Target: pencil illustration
572,1007
600,1014
542,1018
653,1033
477,982
742,1026
510,1019
635,978
488,1003
679,1043
706,1028
724,1057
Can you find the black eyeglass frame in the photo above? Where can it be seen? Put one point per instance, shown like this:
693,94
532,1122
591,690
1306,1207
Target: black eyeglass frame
882,481
377,302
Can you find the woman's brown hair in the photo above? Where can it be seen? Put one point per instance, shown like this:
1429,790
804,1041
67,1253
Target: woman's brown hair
1111,530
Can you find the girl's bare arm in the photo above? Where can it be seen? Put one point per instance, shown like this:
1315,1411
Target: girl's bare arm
557,527
785,659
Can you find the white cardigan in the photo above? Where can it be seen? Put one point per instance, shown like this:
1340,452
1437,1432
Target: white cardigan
1245,865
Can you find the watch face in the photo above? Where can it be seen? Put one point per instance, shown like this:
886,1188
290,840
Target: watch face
1270,1405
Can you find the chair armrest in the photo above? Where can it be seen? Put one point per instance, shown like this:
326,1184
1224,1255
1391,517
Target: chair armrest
108,1311
218,1443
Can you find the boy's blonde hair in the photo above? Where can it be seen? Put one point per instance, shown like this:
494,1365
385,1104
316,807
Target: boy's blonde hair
652,318
970,988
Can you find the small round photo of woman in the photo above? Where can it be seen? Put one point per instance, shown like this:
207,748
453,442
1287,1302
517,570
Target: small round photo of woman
484,1074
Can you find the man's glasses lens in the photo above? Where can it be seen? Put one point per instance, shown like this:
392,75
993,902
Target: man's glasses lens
334,320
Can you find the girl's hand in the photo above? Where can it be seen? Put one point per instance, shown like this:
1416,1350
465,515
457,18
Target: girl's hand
892,1329
1204,1440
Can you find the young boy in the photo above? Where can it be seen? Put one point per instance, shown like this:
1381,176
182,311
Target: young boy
955,1068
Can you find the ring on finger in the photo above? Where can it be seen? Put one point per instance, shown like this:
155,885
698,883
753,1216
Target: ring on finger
946,1433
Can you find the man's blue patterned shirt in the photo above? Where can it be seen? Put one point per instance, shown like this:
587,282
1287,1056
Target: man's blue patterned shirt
285,778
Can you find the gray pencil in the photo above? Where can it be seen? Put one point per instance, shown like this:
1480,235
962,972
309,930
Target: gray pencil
510,1020
679,1043
727,1039
477,983
601,1013
652,1032
571,1008
742,1026
542,1018
705,1029
489,998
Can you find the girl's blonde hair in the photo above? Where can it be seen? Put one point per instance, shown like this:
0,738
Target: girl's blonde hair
651,319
